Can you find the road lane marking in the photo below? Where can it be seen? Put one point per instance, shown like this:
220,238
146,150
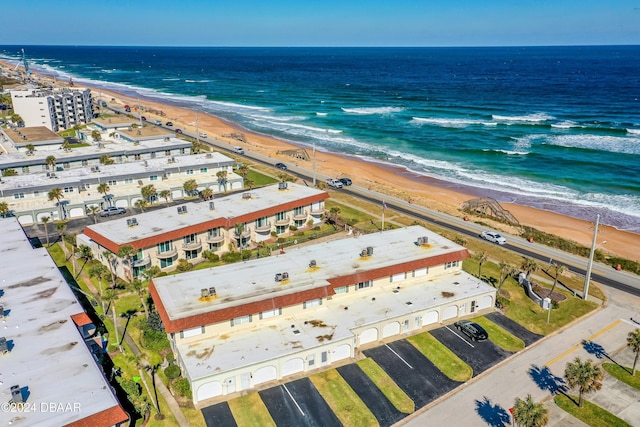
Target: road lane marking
591,338
399,357
460,336
294,401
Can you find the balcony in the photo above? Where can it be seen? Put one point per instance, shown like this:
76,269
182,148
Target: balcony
245,233
168,254
215,239
264,228
193,245
284,221
317,212
142,262
300,216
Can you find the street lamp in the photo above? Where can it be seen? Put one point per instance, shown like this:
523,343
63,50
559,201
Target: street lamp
587,277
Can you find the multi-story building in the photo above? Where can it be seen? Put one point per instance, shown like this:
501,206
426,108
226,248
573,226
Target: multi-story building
240,326
56,108
48,346
241,220
28,195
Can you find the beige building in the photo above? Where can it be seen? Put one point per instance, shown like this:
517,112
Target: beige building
242,220
56,109
243,326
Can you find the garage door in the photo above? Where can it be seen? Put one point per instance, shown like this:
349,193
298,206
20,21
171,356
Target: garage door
176,194
28,219
209,390
485,302
370,335
123,203
76,213
391,329
341,352
450,312
292,366
264,374
429,318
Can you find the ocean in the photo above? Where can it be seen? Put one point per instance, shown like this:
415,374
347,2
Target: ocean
557,128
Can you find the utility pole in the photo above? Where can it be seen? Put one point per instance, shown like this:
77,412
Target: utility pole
314,164
587,277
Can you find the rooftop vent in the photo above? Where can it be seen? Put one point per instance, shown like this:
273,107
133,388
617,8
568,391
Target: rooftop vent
51,175
4,347
182,210
95,168
312,263
204,292
282,276
246,195
146,163
209,155
369,250
132,222
212,206
1,311
212,292
282,185
423,240
16,394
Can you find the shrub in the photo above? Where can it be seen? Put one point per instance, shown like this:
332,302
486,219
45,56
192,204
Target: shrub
293,228
230,257
281,240
171,358
211,256
155,322
184,265
172,371
182,387
274,234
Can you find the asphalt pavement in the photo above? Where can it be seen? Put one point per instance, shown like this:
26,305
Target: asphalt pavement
515,328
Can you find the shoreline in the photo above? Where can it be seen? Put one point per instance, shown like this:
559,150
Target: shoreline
395,181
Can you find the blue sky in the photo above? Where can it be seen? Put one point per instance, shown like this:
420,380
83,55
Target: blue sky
321,23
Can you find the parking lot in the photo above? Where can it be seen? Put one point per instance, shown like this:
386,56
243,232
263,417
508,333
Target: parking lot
298,403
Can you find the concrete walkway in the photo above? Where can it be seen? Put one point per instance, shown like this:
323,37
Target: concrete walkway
538,370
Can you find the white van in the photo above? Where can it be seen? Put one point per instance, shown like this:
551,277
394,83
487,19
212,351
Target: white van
238,150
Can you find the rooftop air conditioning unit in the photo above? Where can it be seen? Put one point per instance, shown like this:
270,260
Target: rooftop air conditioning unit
182,209
369,250
278,277
204,292
1,311
312,263
212,291
212,206
146,163
246,195
209,155
51,175
4,347
282,186
16,394
132,222
423,240
95,168
285,276
363,253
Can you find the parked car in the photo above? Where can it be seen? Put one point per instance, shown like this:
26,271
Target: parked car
492,236
238,150
333,182
472,330
345,181
178,130
281,166
112,210
203,135
158,122
143,118
169,124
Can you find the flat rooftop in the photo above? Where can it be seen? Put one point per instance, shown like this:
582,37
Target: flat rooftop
48,359
274,338
32,135
168,219
251,281
71,177
146,131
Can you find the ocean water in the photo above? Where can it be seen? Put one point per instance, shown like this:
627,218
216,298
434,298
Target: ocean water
556,128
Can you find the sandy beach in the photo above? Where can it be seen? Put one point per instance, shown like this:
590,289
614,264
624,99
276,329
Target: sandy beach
395,182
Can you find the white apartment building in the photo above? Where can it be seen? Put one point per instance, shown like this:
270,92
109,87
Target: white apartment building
243,326
56,109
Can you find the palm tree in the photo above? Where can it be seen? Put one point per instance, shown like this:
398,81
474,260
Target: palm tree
529,266
4,208
558,269
103,188
112,262
9,172
126,252
527,413
93,210
111,296
481,257
165,194
285,177
243,171
196,146
506,270
151,272
207,194
633,342
50,161
148,192
222,179
249,183
138,287
30,148
583,375
141,204
56,194
99,271
190,186
96,135
45,221
334,212
61,227
106,159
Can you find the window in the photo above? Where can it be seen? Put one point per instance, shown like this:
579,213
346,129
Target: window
18,196
36,193
363,285
341,290
189,171
85,163
167,153
112,182
313,303
137,157
271,313
214,232
398,277
311,360
324,357
164,247
182,151
66,165
25,169
193,254
418,321
166,262
298,211
281,229
203,170
421,272
153,178
190,238
281,216
451,264
261,222
215,246
153,155
68,189
240,320
128,180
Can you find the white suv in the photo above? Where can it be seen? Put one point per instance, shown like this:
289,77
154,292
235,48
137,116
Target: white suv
333,182
492,236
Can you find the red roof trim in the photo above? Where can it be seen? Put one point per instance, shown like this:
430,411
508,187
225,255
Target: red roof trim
109,417
81,319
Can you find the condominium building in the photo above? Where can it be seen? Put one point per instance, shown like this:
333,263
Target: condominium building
241,220
242,326
28,195
56,109
48,345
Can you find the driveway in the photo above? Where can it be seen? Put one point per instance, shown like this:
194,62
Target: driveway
412,372
515,328
298,403
370,394
219,416
480,355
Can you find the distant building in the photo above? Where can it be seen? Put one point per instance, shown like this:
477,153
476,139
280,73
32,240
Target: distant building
242,220
48,345
240,326
16,139
56,109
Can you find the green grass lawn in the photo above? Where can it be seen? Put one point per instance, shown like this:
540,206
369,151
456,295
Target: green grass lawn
389,388
260,179
499,336
444,359
590,414
623,374
345,403
250,411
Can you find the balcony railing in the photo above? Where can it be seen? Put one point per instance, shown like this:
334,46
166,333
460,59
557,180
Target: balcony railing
284,221
142,262
299,216
215,239
264,228
167,254
317,212
192,245
245,233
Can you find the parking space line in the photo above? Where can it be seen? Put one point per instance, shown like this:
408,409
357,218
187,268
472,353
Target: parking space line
591,338
294,400
460,336
399,357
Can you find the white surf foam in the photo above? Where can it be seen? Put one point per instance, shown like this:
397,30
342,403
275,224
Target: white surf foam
533,118
373,110
446,122
613,144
